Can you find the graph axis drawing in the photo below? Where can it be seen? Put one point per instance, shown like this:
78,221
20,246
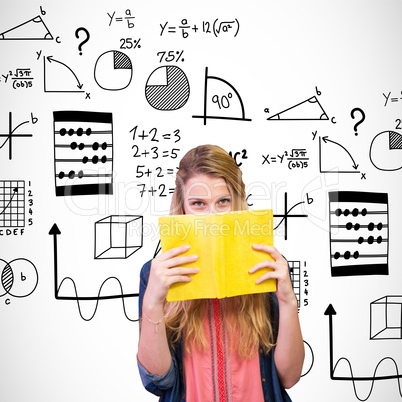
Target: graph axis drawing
326,140
55,232
330,312
205,115
287,114
24,30
50,60
10,135
285,216
12,203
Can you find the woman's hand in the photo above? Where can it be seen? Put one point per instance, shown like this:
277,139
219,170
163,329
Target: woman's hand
284,291
165,270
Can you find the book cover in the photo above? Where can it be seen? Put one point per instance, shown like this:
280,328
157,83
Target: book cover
223,243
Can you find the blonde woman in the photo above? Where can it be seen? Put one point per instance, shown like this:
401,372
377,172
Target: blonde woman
243,348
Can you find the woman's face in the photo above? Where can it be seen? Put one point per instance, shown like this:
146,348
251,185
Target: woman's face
204,194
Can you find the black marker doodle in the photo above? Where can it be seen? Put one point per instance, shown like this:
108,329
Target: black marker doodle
333,159
19,278
58,80
21,78
360,121
118,236
155,144
11,133
386,151
157,249
393,99
386,318
127,17
217,28
286,214
113,71
223,100
130,43
330,311
308,359
55,231
295,279
295,159
83,148
77,35
358,227
309,109
12,203
242,155
167,88
33,29
170,56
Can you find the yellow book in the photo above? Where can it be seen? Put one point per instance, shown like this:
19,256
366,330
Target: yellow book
223,243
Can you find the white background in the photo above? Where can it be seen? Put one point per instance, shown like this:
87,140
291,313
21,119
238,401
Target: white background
347,53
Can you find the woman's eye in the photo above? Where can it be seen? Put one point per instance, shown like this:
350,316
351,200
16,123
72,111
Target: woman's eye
198,203
224,201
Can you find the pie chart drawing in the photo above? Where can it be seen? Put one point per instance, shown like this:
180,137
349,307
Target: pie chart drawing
113,71
167,88
386,151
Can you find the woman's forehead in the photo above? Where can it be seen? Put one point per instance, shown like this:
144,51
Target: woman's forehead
203,184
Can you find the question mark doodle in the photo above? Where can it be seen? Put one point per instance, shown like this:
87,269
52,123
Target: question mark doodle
85,40
352,114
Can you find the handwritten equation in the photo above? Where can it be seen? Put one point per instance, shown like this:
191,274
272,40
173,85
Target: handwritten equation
294,159
217,28
127,17
20,78
155,145
391,99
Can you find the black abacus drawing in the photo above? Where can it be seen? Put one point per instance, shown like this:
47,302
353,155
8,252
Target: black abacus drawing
83,153
358,226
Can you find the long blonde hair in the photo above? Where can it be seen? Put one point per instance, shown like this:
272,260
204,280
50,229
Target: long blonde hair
248,317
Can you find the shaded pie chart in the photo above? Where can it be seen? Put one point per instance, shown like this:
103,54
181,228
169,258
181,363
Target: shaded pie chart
386,151
167,88
113,71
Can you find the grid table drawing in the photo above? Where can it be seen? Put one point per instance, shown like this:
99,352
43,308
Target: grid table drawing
295,279
12,203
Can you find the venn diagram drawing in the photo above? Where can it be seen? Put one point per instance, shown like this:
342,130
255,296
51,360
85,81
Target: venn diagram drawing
19,278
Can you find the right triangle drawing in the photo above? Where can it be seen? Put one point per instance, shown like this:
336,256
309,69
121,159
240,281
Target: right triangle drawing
309,109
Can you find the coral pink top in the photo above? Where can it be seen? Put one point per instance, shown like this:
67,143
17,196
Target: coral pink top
218,374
